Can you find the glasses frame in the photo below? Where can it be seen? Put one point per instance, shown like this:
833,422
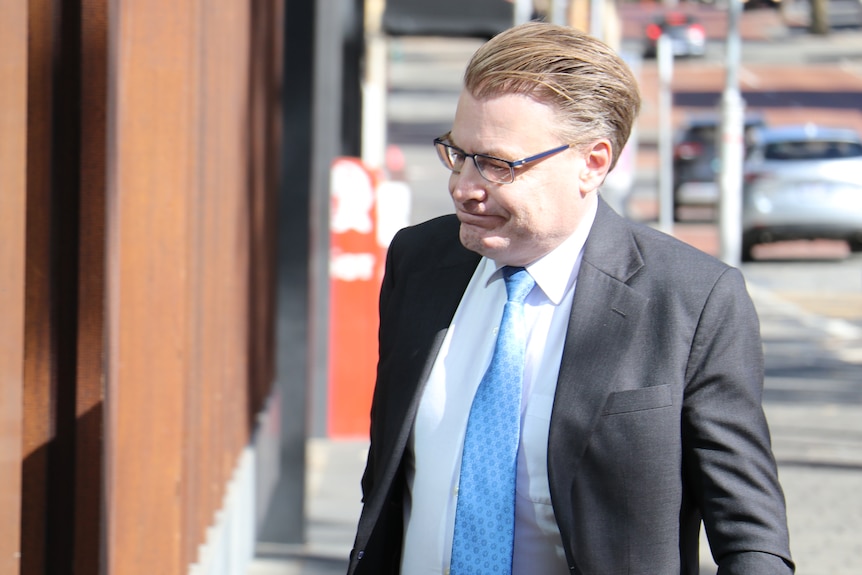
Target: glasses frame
442,147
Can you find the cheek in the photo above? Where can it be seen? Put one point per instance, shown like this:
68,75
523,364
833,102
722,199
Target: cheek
551,212
453,179
527,199
525,218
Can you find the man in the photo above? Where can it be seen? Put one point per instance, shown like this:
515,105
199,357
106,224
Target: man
634,360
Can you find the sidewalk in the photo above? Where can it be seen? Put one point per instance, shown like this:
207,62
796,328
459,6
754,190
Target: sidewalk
334,469
817,438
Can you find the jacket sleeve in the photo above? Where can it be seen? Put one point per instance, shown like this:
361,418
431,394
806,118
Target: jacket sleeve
386,289
728,458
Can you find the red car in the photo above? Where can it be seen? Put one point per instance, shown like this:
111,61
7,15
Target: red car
687,36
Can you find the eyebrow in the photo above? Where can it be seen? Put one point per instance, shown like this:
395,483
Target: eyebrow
448,137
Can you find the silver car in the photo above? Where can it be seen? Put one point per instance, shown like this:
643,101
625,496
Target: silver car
802,182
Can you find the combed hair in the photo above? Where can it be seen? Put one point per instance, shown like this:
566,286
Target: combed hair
592,88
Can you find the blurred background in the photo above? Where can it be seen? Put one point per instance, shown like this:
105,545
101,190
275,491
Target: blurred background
195,202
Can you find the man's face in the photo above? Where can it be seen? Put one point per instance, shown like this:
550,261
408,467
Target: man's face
517,223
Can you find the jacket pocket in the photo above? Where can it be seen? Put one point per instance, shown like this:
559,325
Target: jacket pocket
638,399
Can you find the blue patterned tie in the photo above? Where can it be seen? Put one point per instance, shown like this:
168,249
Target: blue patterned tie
485,513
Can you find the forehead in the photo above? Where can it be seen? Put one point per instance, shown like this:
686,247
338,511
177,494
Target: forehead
505,122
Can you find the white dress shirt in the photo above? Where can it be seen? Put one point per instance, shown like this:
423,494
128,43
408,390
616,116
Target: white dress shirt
433,458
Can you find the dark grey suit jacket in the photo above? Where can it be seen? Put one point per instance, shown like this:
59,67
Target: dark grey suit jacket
657,420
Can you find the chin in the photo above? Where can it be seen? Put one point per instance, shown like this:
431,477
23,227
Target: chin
478,242
489,246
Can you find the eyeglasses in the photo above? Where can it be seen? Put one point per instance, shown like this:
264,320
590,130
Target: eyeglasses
495,170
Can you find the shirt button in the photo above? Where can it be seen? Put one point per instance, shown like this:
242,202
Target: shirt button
447,571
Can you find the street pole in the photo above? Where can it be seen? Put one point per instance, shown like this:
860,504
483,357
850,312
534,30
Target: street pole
374,87
731,145
597,19
664,54
523,11
558,11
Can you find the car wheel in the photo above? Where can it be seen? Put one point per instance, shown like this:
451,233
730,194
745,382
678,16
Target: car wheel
855,245
747,249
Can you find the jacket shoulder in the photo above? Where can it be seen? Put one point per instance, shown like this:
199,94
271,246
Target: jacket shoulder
436,240
630,251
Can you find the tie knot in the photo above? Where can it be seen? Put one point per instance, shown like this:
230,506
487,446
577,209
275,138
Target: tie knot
519,283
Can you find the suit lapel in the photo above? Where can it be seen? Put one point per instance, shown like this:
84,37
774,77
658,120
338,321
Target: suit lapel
604,311
435,295
438,293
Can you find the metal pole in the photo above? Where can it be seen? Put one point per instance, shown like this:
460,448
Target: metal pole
731,145
374,87
285,521
597,19
326,146
664,53
558,11
523,11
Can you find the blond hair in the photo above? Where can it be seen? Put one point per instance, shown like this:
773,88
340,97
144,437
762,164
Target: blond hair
593,90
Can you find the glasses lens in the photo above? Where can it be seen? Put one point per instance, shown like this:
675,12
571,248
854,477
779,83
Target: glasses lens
494,169
451,157
442,154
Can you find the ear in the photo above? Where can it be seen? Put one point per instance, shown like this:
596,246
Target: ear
597,162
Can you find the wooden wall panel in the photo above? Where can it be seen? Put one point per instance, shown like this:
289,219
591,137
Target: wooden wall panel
153,139
61,510
191,183
216,417
39,347
195,451
64,233
265,93
229,234
90,332
13,153
139,165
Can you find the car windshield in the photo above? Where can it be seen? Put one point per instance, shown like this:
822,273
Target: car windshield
709,132
812,150
703,133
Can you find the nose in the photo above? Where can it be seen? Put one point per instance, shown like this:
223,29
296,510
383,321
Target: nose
468,184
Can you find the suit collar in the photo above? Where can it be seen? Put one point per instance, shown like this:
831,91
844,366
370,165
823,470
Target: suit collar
605,311
611,247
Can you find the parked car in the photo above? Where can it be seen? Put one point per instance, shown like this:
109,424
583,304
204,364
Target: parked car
687,35
754,4
695,159
802,182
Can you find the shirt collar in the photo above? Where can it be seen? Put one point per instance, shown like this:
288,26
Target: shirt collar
556,272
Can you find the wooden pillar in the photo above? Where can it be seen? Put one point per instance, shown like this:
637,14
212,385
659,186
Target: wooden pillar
90,329
139,150
153,172
13,153
39,389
